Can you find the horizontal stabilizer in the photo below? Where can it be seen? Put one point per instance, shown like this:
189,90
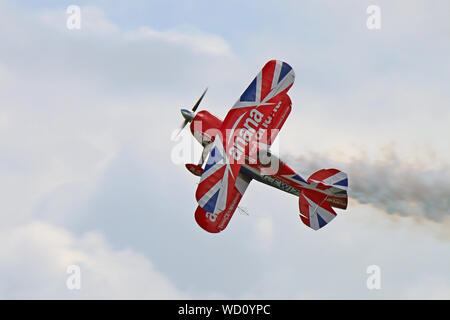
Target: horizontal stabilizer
315,211
330,191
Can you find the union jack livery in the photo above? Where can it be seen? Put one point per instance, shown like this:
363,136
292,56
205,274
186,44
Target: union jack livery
237,150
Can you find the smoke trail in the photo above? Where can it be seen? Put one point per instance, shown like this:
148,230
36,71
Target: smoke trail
390,185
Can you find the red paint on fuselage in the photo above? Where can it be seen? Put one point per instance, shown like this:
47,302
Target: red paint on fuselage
205,126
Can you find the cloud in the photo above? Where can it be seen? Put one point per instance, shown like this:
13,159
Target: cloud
264,228
86,119
95,23
89,96
390,183
198,41
93,20
106,61
34,259
64,120
331,263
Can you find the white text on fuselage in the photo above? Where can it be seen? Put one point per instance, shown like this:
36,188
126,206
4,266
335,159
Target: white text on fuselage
252,128
280,185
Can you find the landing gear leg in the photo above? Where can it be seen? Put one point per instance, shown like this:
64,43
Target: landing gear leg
196,169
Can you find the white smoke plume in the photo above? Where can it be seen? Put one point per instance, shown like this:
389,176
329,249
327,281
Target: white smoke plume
389,184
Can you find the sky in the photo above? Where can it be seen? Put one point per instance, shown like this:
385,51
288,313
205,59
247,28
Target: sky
87,168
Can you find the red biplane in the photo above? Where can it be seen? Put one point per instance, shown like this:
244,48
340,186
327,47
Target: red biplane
236,151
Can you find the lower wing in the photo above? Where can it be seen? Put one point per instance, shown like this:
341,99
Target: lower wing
216,222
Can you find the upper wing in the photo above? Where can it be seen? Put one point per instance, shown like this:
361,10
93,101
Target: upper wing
260,112
255,119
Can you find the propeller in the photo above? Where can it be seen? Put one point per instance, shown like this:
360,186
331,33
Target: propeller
189,115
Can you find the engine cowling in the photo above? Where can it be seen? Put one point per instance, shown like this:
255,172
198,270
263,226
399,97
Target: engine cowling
205,126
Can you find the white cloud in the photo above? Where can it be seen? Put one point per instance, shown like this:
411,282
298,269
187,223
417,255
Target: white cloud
95,23
60,132
34,259
86,121
76,116
331,263
264,228
199,41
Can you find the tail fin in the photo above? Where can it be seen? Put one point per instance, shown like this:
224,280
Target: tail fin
316,207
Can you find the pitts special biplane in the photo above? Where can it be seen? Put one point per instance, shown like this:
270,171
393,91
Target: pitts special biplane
237,151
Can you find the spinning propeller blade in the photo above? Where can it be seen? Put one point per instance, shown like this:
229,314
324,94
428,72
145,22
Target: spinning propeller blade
189,115
199,100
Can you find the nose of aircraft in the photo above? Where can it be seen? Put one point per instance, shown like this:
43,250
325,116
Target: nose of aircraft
187,115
